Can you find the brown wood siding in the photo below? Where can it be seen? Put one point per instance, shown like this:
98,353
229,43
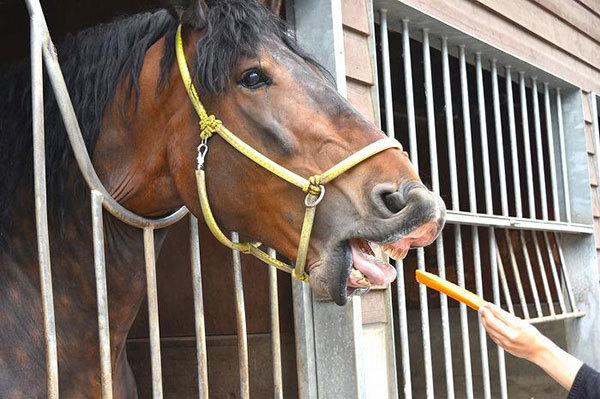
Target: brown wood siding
541,34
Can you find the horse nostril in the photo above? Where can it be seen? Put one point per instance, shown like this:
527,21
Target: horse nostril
393,201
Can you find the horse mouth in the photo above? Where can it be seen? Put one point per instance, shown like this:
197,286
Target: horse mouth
367,270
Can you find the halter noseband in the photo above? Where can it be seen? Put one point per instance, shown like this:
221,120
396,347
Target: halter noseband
314,186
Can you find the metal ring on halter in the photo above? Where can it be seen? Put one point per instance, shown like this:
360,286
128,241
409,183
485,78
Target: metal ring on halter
202,150
309,204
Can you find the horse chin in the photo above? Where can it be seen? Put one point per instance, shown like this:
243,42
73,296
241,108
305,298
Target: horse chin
351,269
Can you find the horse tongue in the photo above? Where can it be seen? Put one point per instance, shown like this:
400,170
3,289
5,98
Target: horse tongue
379,273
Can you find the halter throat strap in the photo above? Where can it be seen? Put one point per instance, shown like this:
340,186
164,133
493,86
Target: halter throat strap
314,186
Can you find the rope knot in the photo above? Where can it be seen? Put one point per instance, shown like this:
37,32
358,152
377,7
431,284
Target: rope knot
314,187
208,125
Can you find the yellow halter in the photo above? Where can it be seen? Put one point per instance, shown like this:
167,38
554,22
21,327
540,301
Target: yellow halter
314,186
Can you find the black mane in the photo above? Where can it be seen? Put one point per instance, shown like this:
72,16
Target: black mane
95,61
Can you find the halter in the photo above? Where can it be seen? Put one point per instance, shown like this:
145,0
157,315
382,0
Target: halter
314,186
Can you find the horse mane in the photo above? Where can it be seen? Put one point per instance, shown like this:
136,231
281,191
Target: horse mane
95,61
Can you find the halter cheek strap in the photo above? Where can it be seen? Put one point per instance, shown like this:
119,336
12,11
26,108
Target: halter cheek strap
314,186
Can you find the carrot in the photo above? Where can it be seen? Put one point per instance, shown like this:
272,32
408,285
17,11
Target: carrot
452,290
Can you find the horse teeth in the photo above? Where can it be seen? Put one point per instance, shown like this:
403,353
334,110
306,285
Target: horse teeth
364,282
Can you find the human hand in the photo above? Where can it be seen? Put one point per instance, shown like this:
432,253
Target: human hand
513,334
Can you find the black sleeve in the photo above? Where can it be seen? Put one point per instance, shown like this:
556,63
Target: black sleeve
586,384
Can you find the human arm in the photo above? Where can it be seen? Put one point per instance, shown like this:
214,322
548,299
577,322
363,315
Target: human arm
523,340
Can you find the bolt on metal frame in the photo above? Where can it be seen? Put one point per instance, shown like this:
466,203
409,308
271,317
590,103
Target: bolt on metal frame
526,226
44,52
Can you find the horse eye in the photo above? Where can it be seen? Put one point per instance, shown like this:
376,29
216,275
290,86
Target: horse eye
253,79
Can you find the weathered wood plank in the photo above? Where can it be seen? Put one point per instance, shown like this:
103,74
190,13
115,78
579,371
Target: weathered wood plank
592,5
589,139
547,27
354,15
358,58
359,95
575,14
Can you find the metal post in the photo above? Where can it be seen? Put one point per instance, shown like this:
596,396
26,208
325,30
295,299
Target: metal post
155,361
414,156
539,147
240,316
553,268
435,182
403,326
513,142
464,89
275,336
551,156
387,80
563,155
596,133
527,145
499,139
543,274
102,295
41,212
198,309
455,206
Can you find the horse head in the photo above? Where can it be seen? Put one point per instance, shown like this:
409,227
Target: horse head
252,76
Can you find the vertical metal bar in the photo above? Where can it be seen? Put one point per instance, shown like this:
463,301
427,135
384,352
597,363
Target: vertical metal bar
464,322
540,148
551,156
410,102
102,295
505,289
543,274
275,336
198,309
403,327
561,300
414,156
596,134
513,142
513,261
387,79
527,145
435,182
485,368
563,155
240,315
536,297
41,211
499,139
489,206
155,361
565,275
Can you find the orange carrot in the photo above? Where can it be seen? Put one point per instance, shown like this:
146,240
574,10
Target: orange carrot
452,290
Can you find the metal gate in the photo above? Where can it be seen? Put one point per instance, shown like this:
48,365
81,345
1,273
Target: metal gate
43,53
514,218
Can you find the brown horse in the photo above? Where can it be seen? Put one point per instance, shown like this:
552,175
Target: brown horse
142,131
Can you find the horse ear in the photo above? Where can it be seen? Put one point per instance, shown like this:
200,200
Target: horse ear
188,12
273,5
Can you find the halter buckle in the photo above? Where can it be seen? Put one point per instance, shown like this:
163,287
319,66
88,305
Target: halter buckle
202,151
309,200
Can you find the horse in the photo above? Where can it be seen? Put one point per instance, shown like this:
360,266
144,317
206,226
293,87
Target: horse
142,133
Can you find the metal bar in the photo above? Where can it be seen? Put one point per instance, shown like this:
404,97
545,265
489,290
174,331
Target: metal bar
435,182
556,317
513,143
410,102
102,295
596,134
505,289
403,327
499,139
485,368
41,211
455,206
515,268
543,274
412,134
529,269
561,300
467,218
563,155
551,156
198,309
567,280
240,315
527,145
157,392
540,148
387,80
275,335
489,207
